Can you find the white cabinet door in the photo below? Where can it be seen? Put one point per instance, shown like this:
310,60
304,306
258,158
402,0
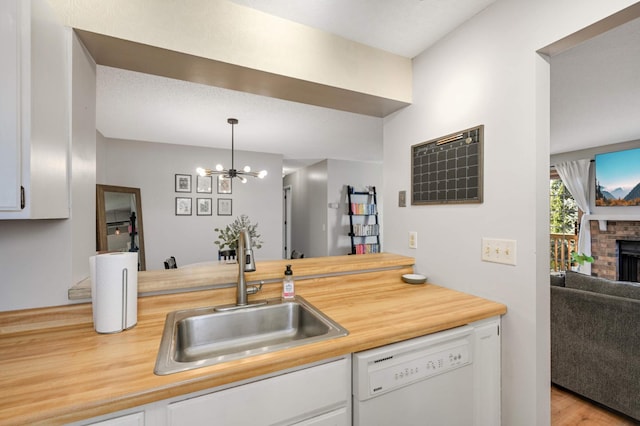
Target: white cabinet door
10,105
34,116
486,372
303,394
339,417
136,419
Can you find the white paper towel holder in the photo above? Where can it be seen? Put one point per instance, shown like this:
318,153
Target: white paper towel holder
114,292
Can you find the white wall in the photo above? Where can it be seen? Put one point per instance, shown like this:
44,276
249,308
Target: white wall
83,167
152,168
595,91
487,72
41,259
309,209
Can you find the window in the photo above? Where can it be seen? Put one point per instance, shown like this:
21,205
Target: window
563,218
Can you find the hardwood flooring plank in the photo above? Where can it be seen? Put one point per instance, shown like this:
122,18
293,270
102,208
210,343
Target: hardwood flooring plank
570,409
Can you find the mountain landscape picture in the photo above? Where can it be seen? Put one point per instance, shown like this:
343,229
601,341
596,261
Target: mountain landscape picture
618,178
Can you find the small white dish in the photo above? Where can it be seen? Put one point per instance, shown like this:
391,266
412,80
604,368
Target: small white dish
414,279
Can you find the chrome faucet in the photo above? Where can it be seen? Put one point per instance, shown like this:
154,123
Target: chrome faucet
245,264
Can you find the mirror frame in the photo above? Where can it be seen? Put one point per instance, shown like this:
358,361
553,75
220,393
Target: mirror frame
101,219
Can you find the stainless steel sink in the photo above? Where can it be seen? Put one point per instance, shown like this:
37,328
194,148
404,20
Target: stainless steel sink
199,337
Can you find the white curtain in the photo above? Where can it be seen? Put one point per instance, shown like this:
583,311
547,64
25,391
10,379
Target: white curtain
575,176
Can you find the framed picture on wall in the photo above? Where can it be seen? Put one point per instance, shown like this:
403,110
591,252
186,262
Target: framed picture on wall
183,183
203,207
224,206
224,184
203,184
183,206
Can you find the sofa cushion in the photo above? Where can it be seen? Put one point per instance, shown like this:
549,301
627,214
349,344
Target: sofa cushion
602,285
595,346
557,280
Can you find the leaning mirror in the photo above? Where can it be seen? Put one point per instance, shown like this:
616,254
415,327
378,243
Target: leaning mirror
119,221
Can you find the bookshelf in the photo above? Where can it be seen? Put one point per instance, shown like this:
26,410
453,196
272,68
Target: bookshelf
364,228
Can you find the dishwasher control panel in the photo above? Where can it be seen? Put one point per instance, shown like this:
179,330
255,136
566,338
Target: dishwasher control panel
381,370
417,369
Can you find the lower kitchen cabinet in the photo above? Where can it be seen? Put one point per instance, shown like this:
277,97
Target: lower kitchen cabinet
136,419
299,397
318,394
341,416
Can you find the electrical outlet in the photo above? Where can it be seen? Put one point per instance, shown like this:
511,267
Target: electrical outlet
413,239
499,251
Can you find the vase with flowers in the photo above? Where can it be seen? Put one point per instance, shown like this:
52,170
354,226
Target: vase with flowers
227,241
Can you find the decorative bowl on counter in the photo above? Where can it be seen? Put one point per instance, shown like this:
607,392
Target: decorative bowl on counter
414,279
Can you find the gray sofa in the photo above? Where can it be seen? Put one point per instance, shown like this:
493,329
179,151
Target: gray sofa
595,340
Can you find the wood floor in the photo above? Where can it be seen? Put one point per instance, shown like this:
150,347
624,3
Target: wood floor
569,409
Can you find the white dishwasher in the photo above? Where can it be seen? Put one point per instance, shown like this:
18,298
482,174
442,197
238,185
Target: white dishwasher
423,381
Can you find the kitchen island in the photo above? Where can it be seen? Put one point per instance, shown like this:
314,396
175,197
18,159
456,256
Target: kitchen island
56,369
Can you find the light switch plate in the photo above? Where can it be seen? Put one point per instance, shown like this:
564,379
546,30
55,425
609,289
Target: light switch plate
402,198
413,239
499,251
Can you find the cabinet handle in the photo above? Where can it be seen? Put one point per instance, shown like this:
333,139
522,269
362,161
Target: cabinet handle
22,202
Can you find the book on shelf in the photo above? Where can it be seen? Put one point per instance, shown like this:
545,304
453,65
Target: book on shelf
366,248
363,209
360,230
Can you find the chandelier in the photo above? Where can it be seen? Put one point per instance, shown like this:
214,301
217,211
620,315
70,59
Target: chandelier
232,172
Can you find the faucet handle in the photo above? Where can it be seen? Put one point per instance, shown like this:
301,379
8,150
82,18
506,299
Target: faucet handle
253,289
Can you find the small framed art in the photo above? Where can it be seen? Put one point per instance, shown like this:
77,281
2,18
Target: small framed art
203,207
224,206
183,206
183,183
224,184
203,184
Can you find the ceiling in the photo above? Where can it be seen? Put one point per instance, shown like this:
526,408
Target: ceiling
403,27
136,106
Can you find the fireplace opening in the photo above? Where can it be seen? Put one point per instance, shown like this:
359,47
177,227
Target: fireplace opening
628,260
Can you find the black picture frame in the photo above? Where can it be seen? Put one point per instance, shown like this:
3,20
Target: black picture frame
224,185
225,206
183,183
183,206
204,206
204,184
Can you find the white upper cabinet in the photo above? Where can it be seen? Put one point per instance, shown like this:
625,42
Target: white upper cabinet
34,112
10,106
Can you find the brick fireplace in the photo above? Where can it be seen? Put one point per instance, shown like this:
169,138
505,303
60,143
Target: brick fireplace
604,245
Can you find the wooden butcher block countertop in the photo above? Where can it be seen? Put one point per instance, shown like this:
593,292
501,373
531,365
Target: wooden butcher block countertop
54,368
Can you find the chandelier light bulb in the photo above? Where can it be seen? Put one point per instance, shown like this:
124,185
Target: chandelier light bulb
201,171
219,167
262,174
247,169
